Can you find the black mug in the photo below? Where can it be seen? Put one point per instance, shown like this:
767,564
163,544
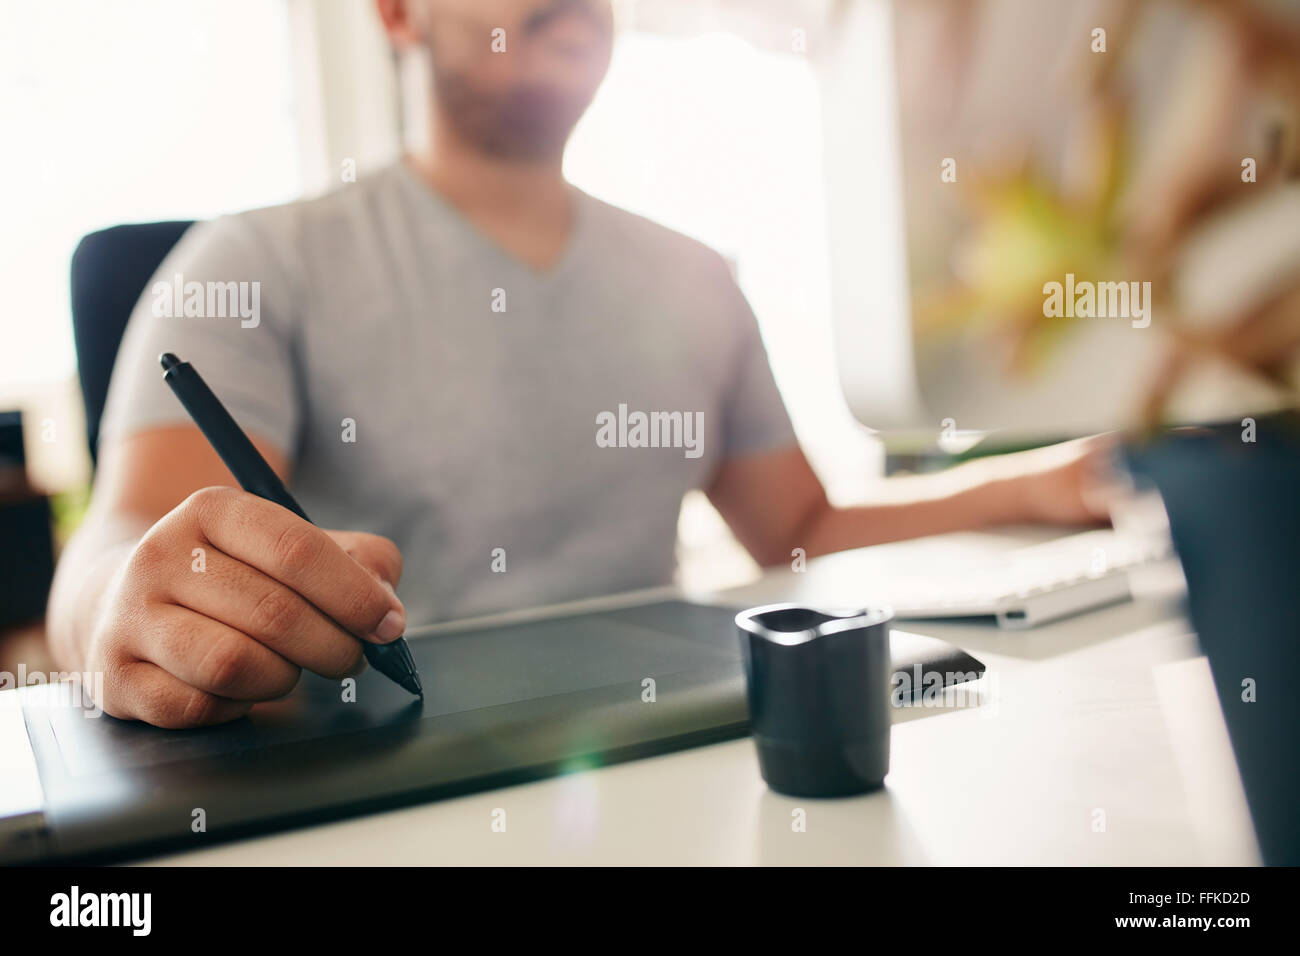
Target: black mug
818,685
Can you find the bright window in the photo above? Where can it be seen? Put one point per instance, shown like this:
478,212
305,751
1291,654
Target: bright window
125,112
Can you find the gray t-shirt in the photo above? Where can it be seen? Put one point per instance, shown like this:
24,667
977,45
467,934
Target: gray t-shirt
431,388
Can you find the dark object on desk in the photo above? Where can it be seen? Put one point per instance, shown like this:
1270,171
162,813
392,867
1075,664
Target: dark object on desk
26,558
13,454
26,540
257,477
110,270
503,704
1234,512
818,686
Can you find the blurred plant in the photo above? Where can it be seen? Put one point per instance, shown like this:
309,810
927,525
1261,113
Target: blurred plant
1108,222
68,509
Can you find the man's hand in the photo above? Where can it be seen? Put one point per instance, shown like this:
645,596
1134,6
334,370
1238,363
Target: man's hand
226,599
1066,484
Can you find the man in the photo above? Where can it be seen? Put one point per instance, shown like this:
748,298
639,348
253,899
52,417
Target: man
381,376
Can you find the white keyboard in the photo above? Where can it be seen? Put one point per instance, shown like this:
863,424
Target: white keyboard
1032,585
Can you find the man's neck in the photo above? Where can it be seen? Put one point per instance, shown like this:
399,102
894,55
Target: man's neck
524,205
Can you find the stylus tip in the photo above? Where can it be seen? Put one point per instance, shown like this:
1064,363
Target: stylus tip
410,676
395,662
413,685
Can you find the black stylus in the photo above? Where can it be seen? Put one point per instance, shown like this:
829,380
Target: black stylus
255,476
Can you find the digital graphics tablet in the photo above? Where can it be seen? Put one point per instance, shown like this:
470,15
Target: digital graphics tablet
503,704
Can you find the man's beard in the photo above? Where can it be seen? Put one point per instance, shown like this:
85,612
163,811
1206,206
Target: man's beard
529,122
523,121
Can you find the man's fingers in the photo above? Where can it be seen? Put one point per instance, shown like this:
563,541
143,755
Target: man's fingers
213,657
144,691
375,553
255,604
1103,480
303,557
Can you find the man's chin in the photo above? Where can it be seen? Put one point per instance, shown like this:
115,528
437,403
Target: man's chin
534,147
529,124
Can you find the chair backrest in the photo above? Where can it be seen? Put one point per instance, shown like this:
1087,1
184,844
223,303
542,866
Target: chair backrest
110,270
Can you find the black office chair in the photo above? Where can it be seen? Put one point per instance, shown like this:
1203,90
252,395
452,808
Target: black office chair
110,270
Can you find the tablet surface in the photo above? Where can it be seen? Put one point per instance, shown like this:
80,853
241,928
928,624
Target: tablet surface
503,704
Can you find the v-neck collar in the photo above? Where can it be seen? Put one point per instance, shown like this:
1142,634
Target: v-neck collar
451,212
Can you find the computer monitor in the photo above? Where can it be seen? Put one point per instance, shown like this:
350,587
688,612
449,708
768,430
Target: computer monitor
967,162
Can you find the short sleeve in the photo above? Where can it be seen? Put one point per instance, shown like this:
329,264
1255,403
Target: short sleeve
755,417
220,300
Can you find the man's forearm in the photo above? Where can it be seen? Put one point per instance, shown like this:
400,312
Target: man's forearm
86,571
774,502
932,511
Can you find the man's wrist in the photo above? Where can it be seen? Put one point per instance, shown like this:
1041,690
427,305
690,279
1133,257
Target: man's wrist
1001,501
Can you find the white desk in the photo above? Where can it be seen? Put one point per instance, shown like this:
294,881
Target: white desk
1099,740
